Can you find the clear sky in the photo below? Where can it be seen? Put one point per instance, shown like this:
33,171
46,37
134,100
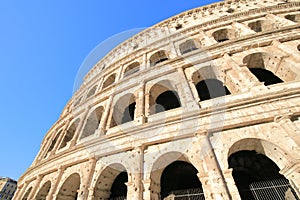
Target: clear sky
42,46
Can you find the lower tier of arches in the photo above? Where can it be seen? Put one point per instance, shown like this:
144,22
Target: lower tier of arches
242,164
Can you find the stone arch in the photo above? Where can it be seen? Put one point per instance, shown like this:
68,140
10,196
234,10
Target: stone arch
106,182
92,122
261,25
224,34
69,188
187,46
293,17
124,110
159,178
267,68
27,193
109,81
69,133
158,57
208,85
131,69
77,101
53,142
163,97
44,191
256,165
277,154
92,91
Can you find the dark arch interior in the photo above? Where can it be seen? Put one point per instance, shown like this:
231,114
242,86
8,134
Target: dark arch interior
211,88
118,188
166,101
257,175
179,175
128,114
42,194
265,76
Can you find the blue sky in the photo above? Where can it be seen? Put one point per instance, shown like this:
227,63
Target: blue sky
42,46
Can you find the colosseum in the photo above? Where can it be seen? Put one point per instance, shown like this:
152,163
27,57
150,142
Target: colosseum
203,105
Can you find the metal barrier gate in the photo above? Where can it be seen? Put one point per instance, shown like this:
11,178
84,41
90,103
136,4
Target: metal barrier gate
278,189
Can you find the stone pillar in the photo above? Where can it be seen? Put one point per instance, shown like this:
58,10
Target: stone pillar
20,191
140,105
194,90
213,181
63,133
36,187
107,115
292,173
53,190
144,62
242,29
147,190
205,40
151,189
83,191
119,73
134,184
241,79
279,21
234,192
79,128
147,104
290,55
289,127
188,96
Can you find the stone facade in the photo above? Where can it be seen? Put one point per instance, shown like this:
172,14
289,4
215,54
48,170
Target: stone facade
206,103
8,187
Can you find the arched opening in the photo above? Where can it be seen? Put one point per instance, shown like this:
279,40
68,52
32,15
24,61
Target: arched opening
25,197
109,81
124,110
119,188
163,97
261,25
77,101
69,189
264,65
92,122
294,18
131,69
223,35
43,192
265,76
180,181
257,177
91,91
69,134
111,184
158,57
166,101
187,46
211,88
53,143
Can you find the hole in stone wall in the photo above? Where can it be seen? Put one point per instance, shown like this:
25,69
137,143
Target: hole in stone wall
158,57
166,101
257,175
265,76
187,46
180,178
211,88
119,188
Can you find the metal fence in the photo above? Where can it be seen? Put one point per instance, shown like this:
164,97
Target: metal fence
118,198
187,194
278,189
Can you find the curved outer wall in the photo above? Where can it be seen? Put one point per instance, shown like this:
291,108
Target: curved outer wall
95,138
